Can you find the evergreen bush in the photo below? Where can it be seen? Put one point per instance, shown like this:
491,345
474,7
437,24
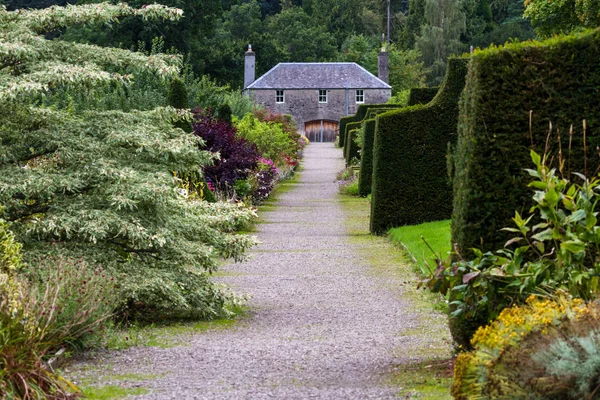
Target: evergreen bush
178,98
352,150
422,95
557,81
347,141
366,159
417,96
410,183
361,114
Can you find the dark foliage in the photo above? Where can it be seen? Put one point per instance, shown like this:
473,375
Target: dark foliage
238,157
361,113
366,158
349,138
178,98
422,95
559,82
224,113
410,183
352,149
266,177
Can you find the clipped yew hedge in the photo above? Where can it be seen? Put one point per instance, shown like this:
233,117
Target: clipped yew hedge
422,95
366,159
410,182
361,113
347,141
559,81
352,149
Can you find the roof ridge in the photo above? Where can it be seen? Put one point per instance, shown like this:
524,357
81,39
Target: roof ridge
354,76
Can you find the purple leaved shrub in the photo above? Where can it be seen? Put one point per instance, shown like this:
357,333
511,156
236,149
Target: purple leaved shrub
238,157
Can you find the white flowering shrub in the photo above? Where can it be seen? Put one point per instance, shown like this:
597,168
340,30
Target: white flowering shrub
99,185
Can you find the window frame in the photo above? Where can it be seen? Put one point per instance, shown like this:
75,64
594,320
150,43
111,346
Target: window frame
277,96
361,96
322,94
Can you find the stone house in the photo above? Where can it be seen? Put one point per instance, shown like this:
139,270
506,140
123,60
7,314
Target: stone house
317,95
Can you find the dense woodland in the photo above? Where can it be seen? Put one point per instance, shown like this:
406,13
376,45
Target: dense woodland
213,34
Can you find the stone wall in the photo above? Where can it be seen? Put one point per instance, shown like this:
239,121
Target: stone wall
304,106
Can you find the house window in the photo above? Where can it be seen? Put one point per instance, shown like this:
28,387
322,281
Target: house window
322,96
360,96
279,97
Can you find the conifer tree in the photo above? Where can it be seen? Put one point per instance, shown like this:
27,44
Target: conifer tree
440,36
178,98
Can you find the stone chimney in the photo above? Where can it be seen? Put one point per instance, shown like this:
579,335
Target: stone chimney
249,67
383,60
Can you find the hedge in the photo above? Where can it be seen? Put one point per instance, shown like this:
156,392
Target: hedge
361,113
349,127
366,159
422,95
417,96
352,149
559,81
410,182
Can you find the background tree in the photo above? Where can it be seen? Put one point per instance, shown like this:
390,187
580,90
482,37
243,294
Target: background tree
406,70
562,16
440,36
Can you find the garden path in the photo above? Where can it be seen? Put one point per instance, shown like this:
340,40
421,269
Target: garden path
332,313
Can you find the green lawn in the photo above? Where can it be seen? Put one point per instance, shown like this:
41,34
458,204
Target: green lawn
437,234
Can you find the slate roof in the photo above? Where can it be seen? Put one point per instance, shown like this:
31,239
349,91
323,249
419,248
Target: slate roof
318,76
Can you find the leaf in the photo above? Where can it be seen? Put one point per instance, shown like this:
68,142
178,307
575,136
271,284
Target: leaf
541,225
577,216
536,158
546,234
456,313
573,246
539,185
590,221
458,288
513,240
540,246
470,276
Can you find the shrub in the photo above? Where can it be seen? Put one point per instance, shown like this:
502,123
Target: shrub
410,184
270,139
263,181
349,128
555,81
544,349
177,98
352,147
224,113
422,95
237,156
63,303
366,159
558,251
361,113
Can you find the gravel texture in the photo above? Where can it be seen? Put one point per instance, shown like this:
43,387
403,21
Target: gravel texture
324,323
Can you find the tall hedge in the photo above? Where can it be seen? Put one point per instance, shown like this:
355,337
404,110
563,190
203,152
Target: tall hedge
352,148
559,81
410,182
422,95
347,141
366,159
417,96
361,113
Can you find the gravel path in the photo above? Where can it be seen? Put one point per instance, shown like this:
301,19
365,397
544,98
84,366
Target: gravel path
324,322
